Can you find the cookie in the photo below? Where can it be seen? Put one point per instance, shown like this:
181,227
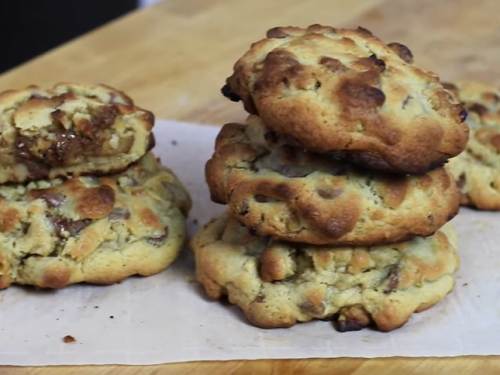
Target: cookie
346,92
477,169
291,194
70,130
278,284
478,183
98,230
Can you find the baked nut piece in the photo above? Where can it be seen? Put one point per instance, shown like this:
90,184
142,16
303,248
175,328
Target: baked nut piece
278,284
291,194
477,169
70,130
92,229
345,91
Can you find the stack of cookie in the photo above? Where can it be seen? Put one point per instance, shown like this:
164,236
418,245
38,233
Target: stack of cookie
337,199
82,198
477,169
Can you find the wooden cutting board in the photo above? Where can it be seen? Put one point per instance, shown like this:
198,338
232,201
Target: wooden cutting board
173,58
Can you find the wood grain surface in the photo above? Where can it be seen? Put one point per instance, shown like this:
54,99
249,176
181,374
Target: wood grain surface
173,58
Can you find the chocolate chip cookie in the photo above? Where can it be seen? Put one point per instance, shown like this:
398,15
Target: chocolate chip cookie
92,229
291,194
70,130
477,169
278,284
346,92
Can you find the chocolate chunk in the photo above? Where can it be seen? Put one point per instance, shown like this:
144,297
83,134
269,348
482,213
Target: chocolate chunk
104,116
462,115
362,30
228,93
159,240
462,180
329,194
119,213
276,33
449,86
260,298
478,108
378,62
352,318
52,198
402,51
393,279
262,198
64,225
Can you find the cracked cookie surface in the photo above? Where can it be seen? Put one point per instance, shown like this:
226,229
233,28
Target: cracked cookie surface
345,91
70,130
477,169
286,192
278,284
92,229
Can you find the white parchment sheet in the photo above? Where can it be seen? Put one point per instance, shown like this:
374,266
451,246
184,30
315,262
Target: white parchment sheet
166,318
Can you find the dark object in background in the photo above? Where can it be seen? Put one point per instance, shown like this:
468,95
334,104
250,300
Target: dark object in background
32,27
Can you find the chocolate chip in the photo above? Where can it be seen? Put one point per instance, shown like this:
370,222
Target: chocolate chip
462,115
119,213
352,318
329,194
478,108
260,298
228,93
53,199
449,86
362,95
262,198
378,62
276,33
393,279
402,51
362,30
462,180
159,240
63,225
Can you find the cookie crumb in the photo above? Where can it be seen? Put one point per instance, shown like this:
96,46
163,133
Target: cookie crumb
68,339
96,307
111,317
465,284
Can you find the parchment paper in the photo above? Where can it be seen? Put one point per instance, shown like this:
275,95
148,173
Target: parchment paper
166,318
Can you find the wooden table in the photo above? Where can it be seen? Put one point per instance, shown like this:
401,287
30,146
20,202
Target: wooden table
173,58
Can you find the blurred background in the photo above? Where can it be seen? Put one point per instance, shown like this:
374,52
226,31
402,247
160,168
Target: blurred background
32,27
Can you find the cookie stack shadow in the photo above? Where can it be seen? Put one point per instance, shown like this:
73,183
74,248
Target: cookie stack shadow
82,197
338,201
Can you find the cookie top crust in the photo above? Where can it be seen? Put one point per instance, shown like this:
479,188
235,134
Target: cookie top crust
278,284
70,130
346,91
286,192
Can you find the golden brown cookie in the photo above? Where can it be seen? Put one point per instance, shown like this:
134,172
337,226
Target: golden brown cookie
291,194
345,91
278,284
477,169
91,229
70,130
